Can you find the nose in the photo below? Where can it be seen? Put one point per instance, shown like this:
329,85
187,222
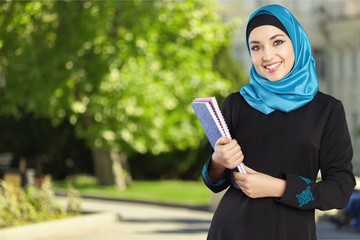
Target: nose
268,54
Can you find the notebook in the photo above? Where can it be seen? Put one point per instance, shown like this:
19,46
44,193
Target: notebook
208,112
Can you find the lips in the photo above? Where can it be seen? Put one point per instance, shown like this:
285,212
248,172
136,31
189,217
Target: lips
272,67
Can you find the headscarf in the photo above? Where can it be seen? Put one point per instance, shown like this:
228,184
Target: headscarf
299,86
264,19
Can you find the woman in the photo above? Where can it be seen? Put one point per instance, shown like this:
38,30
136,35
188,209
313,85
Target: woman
284,131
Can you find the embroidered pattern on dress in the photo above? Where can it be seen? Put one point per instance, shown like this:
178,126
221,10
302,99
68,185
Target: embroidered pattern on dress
306,195
308,181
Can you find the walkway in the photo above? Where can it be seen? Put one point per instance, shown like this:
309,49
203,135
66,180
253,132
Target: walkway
119,220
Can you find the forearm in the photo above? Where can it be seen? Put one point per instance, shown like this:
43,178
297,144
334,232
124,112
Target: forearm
278,188
324,195
215,171
218,184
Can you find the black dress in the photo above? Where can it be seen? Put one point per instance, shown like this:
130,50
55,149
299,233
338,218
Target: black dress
292,146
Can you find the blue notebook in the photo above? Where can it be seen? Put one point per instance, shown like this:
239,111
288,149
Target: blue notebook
209,121
208,112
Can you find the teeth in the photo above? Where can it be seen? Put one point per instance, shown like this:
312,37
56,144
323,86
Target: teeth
273,66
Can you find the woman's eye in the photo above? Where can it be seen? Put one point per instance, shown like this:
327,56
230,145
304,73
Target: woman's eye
278,42
255,48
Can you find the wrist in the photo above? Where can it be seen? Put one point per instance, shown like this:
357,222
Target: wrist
279,188
215,170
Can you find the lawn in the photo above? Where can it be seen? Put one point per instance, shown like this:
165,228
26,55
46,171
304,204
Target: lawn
193,193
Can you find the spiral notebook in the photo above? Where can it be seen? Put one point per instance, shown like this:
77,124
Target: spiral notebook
208,112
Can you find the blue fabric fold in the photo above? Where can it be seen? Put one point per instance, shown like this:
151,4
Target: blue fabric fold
299,86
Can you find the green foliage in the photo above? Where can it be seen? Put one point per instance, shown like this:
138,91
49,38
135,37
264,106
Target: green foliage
122,72
164,60
19,206
230,68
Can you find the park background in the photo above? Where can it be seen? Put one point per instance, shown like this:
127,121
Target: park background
104,88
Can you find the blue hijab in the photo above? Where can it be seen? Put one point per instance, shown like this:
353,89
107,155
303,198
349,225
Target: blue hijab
299,86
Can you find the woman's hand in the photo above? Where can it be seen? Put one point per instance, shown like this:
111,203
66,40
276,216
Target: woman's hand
227,154
258,185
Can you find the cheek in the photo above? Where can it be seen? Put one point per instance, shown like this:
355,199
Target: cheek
289,55
290,60
293,60
256,60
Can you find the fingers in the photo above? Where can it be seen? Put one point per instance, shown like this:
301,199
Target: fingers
228,153
233,152
237,158
249,170
225,144
222,141
240,180
239,177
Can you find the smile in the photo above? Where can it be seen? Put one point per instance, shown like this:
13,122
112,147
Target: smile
272,67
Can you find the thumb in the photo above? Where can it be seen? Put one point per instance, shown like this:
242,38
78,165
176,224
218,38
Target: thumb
249,170
223,141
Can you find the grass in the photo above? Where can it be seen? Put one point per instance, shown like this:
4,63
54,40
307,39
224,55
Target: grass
193,193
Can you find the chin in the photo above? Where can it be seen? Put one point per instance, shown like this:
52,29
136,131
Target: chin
274,78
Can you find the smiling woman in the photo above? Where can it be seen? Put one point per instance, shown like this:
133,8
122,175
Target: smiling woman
284,132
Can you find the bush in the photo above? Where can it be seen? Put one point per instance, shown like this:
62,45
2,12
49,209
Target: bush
34,204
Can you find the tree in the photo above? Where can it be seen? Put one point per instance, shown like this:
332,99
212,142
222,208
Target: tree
123,73
52,59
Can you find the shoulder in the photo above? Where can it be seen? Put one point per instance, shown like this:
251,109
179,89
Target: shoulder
323,97
233,102
234,98
324,100
329,106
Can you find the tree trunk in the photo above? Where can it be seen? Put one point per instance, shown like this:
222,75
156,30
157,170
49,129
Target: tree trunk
111,168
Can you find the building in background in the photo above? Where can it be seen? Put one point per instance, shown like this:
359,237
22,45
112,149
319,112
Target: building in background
334,31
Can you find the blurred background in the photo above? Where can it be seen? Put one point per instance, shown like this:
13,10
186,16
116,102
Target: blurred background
103,88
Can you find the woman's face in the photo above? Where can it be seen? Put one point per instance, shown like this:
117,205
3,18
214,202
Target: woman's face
271,51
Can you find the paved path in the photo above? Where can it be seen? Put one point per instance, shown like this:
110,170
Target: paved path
118,220
147,222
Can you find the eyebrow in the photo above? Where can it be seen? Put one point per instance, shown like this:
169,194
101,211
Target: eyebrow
273,37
